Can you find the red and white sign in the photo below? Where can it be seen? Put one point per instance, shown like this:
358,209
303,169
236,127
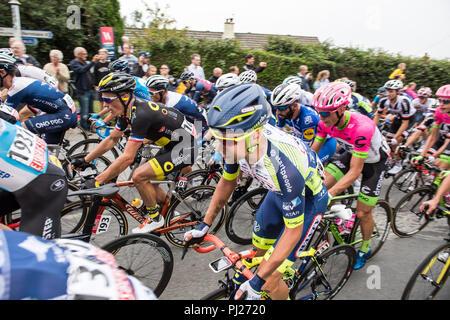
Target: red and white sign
107,35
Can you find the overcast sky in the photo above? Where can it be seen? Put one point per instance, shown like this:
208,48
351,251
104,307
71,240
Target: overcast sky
408,27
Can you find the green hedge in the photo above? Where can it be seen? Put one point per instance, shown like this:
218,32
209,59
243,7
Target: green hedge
370,68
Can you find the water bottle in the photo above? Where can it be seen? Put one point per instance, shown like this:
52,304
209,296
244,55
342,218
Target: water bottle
349,224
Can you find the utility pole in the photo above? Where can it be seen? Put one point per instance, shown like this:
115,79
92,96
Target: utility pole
16,19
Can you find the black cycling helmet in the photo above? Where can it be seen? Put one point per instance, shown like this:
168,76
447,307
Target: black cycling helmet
117,82
119,65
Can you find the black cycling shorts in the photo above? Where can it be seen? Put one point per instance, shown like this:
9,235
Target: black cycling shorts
372,175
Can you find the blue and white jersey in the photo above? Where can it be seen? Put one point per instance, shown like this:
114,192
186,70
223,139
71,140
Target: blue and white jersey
39,95
38,74
184,104
141,90
23,156
304,125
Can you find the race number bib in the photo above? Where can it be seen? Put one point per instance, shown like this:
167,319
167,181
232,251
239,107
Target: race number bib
28,149
189,127
68,99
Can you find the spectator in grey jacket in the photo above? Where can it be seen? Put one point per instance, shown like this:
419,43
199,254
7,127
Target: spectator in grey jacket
22,58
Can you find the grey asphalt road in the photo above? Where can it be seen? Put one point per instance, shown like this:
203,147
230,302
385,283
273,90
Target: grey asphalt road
383,278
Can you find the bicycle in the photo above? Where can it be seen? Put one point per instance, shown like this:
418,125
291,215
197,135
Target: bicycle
104,214
430,275
145,257
407,219
306,281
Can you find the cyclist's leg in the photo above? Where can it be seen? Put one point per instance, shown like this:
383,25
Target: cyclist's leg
336,169
41,202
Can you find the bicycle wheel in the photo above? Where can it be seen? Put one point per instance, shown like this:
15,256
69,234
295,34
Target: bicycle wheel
239,224
202,177
430,276
192,209
110,225
381,214
405,181
145,257
407,219
87,145
322,280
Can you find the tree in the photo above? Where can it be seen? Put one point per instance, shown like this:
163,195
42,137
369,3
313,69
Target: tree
53,15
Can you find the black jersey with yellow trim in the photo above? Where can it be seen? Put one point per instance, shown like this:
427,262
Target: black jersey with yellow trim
154,121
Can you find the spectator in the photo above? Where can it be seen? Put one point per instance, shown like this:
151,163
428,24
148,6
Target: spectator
410,90
303,70
217,72
250,60
142,65
234,69
151,71
125,40
22,58
322,78
398,73
100,70
164,70
58,69
127,56
195,66
84,83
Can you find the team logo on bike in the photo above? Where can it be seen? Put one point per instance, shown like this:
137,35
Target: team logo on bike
58,185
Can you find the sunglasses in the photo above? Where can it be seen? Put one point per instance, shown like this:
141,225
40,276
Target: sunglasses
325,114
282,108
444,101
152,93
108,100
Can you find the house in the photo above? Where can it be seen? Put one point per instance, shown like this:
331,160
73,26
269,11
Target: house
248,40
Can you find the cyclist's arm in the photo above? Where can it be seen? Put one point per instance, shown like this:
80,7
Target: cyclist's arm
442,148
121,163
431,140
223,191
25,114
105,145
356,167
443,189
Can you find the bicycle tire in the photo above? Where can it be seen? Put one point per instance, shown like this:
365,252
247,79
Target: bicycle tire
310,277
78,211
403,216
427,263
84,145
399,180
243,220
202,177
382,215
176,237
131,257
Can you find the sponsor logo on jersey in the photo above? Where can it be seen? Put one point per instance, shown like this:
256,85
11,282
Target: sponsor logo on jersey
308,134
4,175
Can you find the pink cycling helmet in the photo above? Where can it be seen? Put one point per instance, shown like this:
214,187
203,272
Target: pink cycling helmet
332,96
443,92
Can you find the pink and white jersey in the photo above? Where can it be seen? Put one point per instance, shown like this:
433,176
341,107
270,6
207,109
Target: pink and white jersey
359,135
442,120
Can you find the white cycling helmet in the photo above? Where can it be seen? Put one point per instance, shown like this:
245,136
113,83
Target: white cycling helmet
227,80
293,79
157,82
394,85
285,94
7,51
248,76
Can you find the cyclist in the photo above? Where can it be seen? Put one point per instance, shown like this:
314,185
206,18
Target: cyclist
250,76
306,96
226,80
302,120
158,90
381,93
30,71
400,112
198,89
33,268
367,152
163,126
422,103
60,112
359,103
441,125
284,165
32,180
444,188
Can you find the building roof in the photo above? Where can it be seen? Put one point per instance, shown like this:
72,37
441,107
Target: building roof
248,40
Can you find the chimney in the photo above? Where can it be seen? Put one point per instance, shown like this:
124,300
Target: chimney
228,32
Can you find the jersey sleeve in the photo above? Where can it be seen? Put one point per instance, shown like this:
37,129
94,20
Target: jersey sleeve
407,109
321,134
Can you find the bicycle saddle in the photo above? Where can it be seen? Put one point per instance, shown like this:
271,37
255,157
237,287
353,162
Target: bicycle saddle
104,191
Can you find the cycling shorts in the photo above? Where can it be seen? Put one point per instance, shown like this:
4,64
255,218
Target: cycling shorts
372,175
269,224
52,125
40,201
171,159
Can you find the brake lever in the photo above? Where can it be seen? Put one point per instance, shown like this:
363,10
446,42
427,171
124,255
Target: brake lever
189,243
